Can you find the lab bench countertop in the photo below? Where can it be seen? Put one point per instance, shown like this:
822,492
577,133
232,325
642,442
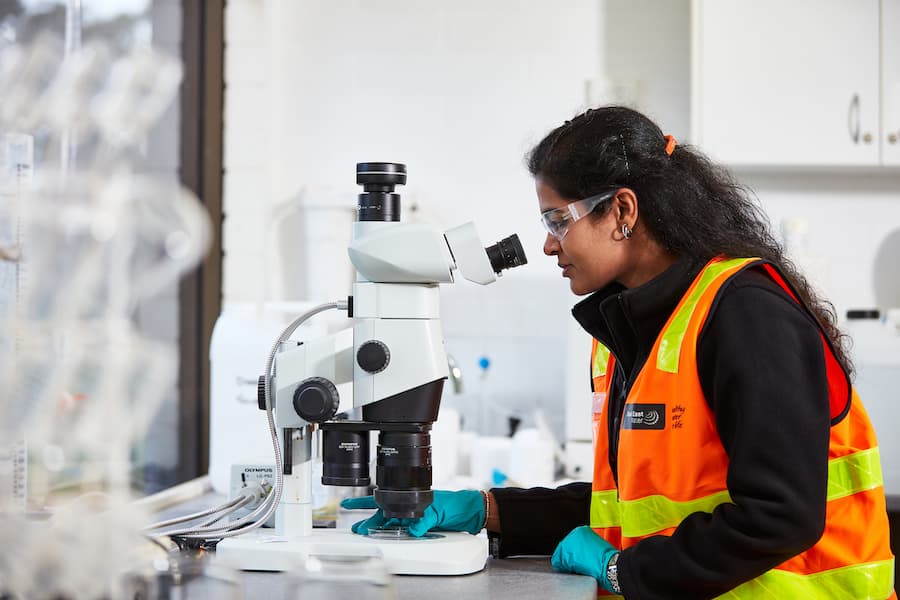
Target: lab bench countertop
511,578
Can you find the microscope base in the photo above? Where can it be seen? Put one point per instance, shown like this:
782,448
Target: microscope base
454,554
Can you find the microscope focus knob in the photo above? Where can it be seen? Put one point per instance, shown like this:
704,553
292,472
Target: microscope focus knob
261,392
373,356
316,399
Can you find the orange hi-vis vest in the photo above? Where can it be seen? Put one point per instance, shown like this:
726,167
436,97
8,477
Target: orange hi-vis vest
673,464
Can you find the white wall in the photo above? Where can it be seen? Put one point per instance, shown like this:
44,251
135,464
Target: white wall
850,215
458,91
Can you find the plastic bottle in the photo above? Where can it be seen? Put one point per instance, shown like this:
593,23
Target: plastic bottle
241,340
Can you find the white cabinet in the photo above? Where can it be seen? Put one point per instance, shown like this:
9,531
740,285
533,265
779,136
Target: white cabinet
799,83
890,78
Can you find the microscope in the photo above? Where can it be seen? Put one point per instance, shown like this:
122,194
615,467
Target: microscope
389,368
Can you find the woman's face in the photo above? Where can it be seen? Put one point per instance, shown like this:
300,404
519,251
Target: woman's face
592,253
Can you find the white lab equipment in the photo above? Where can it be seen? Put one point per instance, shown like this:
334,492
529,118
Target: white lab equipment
531,458
390,367
885,282
445,443
876,357
579,452
306,258
242,336
490,460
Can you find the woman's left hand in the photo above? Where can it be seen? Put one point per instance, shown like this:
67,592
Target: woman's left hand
586,553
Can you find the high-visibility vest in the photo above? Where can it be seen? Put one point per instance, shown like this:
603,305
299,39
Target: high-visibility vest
671,462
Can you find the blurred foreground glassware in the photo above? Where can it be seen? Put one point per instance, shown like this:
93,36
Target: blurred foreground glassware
95,245
80,249
78,381
358,574
91,389
183,576
78,551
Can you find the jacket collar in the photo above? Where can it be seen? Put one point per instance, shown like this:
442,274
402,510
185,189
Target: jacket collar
628,320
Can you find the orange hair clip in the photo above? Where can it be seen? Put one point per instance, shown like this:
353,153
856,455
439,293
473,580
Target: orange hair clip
670,144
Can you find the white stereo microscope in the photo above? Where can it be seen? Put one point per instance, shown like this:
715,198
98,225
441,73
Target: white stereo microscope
391,365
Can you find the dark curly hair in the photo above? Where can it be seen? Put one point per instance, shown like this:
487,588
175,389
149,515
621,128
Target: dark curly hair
690,205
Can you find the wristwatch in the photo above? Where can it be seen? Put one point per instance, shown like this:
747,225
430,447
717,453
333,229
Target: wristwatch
494,544
612,574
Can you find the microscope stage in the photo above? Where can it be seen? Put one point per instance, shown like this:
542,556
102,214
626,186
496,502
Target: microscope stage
452,554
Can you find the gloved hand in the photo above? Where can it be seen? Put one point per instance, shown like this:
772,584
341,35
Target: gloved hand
586,553
376,521
449,511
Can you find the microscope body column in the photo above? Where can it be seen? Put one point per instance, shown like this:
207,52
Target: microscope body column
398,339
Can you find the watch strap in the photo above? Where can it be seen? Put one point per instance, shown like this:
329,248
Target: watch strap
494,544
612,574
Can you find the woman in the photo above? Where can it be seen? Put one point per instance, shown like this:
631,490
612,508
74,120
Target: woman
731,454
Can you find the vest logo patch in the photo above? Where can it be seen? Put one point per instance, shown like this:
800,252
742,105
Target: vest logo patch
644,416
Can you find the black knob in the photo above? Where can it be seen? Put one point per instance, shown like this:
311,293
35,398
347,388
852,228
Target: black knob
316,399
373,356
261,392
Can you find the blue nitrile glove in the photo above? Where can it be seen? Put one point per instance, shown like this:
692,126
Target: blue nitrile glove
586,553
449,511
374,522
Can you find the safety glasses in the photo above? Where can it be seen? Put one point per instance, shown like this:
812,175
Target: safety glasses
558,220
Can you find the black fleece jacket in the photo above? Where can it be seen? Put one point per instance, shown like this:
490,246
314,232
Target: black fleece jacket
761,367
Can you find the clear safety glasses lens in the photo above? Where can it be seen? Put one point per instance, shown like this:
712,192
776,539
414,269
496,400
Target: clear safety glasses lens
558,220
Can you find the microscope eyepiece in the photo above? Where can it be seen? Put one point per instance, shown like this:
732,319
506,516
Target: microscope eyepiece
506,254
380,174
378,202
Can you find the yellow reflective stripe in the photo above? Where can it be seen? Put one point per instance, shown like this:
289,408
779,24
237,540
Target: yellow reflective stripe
847,475
605,509
870,581
655,513
601,358
670,344
647,515
854,473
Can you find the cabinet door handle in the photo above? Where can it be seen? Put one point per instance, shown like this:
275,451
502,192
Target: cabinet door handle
853,118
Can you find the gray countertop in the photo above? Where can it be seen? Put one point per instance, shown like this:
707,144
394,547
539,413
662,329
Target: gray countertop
513,578
501,579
